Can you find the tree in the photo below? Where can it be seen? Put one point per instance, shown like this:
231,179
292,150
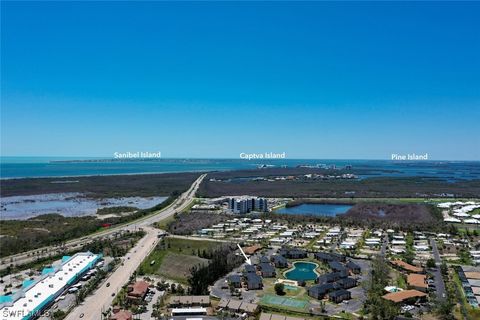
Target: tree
444,268
180,290
279,289
431,263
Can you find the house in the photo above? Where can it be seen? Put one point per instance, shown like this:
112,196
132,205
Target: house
264,259
353,267
249,308
137,291
323,257
338,296
326,257
331,277
189,301
237,306
279,261
252,249
320,290
234,305
346,283
254,282
417,282
235,280
223,303
283,252
405,266
294,253
336,266
267,270
121,315
405,296
250,269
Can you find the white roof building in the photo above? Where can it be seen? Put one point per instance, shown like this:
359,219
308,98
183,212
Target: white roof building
28,302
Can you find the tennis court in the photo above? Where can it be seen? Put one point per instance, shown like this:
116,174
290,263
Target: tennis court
285,302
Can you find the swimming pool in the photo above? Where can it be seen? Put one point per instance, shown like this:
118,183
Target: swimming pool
302,271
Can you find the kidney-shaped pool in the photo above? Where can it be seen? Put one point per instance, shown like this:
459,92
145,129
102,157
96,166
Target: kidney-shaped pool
302,271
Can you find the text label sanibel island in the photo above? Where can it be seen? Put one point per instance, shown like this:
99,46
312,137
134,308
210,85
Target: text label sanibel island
266,155
137,155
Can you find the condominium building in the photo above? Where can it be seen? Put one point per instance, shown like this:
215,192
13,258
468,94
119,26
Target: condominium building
245,204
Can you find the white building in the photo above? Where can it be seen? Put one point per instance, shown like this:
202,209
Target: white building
245,204
29,301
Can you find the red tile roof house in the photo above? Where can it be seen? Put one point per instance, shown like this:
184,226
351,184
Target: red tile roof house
119,314
136,292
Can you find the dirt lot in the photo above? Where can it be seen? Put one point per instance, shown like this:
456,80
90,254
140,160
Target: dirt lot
177,266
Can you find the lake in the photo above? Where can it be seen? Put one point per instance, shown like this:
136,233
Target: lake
316,209
302,271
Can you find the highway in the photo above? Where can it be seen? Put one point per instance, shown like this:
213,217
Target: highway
102,298
179,204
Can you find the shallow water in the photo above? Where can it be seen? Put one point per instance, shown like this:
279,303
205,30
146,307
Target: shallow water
67,204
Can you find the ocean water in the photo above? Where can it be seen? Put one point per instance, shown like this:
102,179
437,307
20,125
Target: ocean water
22,167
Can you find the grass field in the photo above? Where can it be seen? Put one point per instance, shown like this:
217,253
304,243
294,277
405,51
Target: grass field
177,266
174,257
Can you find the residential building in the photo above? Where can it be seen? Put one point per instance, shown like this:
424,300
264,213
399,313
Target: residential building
417,282
405,296
121,315
320,290
279,261
245,204
353,267
254,281
267,270
338,296
235,280
137,291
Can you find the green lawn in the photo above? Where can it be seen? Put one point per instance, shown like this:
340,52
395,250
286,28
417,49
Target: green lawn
162,261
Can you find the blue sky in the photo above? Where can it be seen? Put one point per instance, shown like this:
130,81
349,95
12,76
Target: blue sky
211,79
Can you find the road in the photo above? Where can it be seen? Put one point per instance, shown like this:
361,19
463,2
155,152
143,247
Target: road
200,239
102,298
95,304
438,278
383,249
178,205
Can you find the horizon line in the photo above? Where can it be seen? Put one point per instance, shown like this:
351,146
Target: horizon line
73,158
